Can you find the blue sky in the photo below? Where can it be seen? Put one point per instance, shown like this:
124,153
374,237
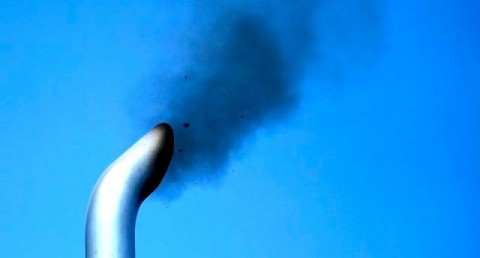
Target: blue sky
380,159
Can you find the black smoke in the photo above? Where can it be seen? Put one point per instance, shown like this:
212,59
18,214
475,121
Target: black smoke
245,61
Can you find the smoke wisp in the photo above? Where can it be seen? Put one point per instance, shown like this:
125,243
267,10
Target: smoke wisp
244,64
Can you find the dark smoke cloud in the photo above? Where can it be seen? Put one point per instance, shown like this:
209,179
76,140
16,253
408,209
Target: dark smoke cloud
243,66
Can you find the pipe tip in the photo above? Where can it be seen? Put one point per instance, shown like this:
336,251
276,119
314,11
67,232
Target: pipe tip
164,127
161,159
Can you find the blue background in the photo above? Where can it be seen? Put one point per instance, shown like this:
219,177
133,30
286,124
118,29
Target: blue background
381,161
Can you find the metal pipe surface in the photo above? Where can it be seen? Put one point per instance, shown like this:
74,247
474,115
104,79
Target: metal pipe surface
118,194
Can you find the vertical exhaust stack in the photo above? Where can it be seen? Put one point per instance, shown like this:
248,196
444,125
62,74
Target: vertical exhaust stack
114,204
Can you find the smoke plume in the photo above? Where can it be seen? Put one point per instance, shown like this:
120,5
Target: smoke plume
241,72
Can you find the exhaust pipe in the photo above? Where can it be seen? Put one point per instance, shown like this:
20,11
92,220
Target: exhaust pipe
118,194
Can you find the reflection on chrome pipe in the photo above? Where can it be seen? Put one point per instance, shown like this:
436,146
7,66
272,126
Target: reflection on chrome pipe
114,204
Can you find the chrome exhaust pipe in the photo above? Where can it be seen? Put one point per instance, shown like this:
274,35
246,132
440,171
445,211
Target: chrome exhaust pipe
118,194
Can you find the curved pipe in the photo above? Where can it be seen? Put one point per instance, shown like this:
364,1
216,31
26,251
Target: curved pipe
114,204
